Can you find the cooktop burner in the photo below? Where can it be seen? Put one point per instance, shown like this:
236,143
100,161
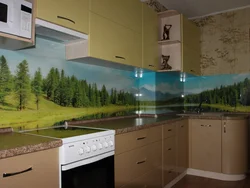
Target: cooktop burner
64,131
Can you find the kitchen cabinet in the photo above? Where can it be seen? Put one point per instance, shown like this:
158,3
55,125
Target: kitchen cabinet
150,37
182,146
12,42
126,13
183,45
42,170
73,14
205,149
107,41
143,157
234,146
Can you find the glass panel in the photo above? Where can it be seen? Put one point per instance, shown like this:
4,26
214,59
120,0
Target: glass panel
99,174
3,12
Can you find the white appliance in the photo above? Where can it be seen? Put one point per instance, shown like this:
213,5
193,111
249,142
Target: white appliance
86,156
16,18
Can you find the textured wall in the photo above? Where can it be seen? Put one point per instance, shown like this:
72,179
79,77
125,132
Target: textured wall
225,44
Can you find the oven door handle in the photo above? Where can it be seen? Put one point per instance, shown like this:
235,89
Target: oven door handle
90,160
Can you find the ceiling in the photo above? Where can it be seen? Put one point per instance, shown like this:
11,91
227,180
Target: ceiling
198,8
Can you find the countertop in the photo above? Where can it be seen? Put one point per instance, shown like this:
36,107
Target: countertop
216,115
13,144
128,124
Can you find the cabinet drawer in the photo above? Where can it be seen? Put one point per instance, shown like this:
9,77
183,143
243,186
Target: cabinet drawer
152,179
128,141
169,160
169,130
131,165
44,164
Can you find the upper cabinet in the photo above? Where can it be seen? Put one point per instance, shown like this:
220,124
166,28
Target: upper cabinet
150,56
126,13
112,42
72,14
179,43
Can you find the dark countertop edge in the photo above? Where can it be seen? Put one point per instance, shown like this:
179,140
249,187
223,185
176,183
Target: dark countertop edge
30,149
136,128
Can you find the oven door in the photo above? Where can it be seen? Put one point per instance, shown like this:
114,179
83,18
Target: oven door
96,172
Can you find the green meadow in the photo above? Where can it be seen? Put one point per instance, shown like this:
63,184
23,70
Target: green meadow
48,114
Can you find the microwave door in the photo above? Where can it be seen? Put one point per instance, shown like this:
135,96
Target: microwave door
9,22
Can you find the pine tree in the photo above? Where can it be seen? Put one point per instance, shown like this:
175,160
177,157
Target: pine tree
22,85
37,86
5,79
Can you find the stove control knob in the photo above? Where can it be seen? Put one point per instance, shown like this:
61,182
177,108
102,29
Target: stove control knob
81,151
111,143
94,148
100,146
105,144
87,149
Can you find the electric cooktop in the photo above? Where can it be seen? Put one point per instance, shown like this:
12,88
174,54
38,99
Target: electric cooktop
64,131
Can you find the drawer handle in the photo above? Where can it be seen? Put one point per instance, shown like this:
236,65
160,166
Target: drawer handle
202,125
170,171
151,65
209,125
63,18
141,138
120,57
182,126
169,130
169,149
141,162
5,175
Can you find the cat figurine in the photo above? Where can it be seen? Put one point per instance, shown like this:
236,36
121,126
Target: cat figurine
166,32
164,64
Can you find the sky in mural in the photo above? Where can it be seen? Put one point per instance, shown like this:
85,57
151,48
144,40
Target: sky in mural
195,85
48,54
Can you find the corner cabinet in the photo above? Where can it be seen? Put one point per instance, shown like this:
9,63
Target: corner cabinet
179,42
234,146
107,41
39,169
73,14
150,52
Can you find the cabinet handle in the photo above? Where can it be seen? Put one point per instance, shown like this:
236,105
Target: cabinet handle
141,138
169,149
141,162
151,65
64,18
209,125
5,175
170,171
192,70
225,127
182,126
202,125
120,57
169,130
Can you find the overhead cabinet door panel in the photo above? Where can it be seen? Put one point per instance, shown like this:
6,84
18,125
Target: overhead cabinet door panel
127,13
72,14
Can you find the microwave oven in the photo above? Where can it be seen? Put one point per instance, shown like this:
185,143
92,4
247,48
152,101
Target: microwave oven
16,18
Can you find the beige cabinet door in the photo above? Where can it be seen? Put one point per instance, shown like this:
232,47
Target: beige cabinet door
206,145
169,160
235,146
190,47
72,14
127,13
42,170
150,39
182,146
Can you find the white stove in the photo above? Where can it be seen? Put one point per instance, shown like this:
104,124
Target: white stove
84,150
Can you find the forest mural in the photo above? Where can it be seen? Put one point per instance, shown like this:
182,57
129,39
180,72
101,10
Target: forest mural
229,92
38,87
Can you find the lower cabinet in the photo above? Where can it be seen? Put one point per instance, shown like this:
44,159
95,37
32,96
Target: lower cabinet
39,170
206,145
235,146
